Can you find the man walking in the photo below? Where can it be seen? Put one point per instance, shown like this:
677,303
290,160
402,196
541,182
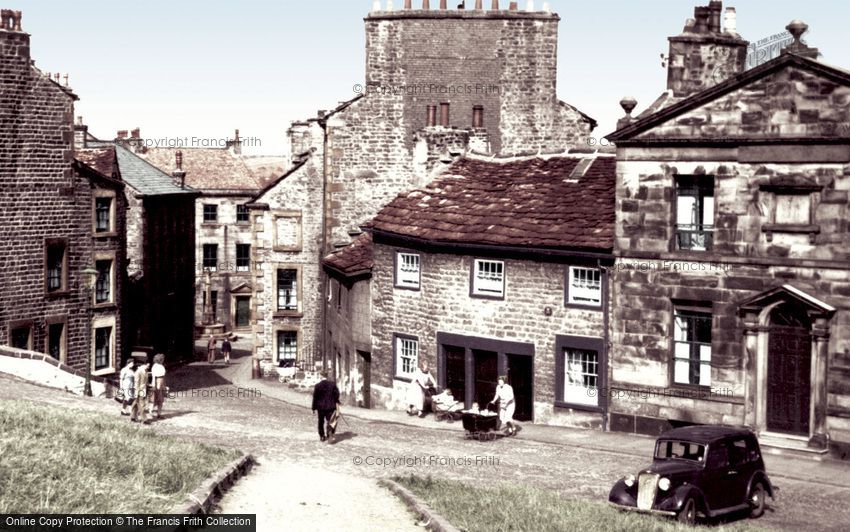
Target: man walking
226,348
325,399
140,405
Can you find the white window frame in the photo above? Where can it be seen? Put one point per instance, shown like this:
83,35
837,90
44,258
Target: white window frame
682,350
100,323
408,270
111,196
579,288
575,391
407,356
488,287
278,353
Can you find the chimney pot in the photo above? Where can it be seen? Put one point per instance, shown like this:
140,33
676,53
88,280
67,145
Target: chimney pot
730,22
426,5
547,7
408,4
432,116
495,5
444,4
478,116
122,134
479,5
628,104
715,8
390,6
178,160
136,133
513,6
530,6
444,114
376,5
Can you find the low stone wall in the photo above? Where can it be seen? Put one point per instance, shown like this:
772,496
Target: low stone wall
42,369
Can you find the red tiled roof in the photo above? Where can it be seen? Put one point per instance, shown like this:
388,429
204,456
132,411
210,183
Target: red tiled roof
534,203
353,259
206,168
101,159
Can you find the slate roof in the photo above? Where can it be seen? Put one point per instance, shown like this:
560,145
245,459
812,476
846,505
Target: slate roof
101,158
147,179
207,169
535,203
352,260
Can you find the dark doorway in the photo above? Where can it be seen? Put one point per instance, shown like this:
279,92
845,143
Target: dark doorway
365,359
789,362
486,374
243,312
456,371
521,378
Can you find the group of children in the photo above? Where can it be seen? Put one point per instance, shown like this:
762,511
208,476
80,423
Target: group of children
139,384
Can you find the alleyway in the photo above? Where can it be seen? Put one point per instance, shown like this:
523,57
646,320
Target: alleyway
301,481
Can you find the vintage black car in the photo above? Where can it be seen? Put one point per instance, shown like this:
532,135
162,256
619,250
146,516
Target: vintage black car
698,471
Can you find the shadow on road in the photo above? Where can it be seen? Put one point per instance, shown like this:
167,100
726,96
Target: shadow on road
342,436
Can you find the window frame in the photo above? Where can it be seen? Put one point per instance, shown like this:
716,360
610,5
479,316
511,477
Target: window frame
104,257
397,339
299,292
247,268
603,288
63,289
474,290
204,266
21,324
102,323
584,343
242,209
112,230
697,182
215,218
296,216
298,344
397,276
63,341
693,309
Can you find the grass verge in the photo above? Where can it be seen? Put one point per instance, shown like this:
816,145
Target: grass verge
508,507
54,460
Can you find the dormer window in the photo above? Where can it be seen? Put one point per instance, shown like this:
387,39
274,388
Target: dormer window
694,213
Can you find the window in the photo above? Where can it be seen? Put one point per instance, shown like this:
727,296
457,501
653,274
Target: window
210,213
488,278
102,348
56,267
692,348
793,209
407,356
56,340
287,348
287,289
21,337
407,270
584,287
287,231
694,213
103,285
581,376
103,215
243,257
718,456
242,214
211,257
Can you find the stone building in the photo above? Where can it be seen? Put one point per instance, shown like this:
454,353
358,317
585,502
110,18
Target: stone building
496,267
58,216
732,285
439,83
222,227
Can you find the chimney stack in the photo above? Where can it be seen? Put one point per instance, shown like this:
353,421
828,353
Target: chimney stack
122,134
704,54
178,174
235,145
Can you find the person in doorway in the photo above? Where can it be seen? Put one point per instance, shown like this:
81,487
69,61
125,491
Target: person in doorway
325,401
226,349
159,388
127,380
419,388
211,349
140,404
507,405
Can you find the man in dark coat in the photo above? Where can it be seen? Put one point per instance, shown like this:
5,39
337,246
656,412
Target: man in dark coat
325,399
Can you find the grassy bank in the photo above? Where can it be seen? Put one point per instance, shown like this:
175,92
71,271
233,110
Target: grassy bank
54,460
519,508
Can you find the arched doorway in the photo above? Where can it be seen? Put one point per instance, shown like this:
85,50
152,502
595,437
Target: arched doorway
789,370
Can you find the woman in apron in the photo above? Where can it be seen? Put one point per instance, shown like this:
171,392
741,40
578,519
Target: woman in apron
507,405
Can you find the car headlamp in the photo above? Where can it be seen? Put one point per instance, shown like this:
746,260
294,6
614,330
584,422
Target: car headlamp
630,480
664,484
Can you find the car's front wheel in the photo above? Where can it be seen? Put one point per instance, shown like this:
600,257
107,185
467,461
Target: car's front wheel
757,500
688,514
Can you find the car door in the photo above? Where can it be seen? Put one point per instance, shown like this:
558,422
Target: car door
718,477
742,467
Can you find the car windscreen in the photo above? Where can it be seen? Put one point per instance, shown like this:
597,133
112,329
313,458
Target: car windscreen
680,450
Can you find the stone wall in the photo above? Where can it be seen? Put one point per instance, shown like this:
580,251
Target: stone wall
40,197
297,197
350,337
444,305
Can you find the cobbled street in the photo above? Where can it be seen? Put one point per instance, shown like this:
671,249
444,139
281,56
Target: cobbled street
206,406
